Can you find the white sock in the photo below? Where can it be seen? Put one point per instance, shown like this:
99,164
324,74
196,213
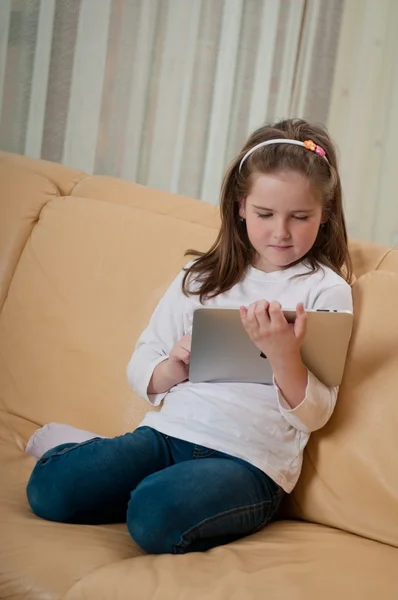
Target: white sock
54,434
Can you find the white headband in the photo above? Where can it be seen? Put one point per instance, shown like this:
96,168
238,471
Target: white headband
308,144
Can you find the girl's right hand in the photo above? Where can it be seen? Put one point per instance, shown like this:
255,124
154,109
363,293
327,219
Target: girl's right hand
174,370
179,358
181,352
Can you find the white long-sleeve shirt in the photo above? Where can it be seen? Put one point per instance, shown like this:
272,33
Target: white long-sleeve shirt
248,420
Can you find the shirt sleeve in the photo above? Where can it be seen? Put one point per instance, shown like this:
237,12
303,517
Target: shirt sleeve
319,401
165,328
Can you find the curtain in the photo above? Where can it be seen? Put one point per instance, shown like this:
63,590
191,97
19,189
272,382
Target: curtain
363,117
163,92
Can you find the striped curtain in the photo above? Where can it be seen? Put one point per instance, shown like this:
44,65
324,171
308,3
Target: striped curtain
163,92
363,117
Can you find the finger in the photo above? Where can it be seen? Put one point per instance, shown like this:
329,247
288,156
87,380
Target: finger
185,356
179,354
243,316
251,313
186,344
300,324
261,314
276,314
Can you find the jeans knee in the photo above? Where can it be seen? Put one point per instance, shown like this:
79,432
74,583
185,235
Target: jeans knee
45,500
149,523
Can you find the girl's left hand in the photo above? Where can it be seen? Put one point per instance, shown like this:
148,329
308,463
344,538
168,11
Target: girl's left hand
269,330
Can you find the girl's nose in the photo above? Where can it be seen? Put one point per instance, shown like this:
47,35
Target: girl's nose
282,231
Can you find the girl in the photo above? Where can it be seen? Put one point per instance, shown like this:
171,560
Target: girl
213,464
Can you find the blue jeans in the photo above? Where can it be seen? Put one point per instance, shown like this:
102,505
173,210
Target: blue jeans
175,496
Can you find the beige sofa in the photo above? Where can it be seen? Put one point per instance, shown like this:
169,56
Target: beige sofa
83,261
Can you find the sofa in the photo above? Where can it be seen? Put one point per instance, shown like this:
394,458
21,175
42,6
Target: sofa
83,262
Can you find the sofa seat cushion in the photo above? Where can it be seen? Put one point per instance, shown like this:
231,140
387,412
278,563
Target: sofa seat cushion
287,561
40,559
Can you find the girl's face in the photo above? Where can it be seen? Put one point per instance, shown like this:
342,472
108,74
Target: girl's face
283,214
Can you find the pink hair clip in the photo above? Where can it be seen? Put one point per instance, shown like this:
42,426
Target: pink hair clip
310,145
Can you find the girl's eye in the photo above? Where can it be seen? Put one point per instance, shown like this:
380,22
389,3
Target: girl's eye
268,215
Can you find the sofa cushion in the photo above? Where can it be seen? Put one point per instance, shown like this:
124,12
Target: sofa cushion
286,561
349,478
24,194
86,284
370,257
54,561
62,177
40,559
139,196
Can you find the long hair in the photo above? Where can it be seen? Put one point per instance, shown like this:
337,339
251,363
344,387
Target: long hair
226,262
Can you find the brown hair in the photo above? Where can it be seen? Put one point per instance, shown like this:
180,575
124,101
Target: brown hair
224,264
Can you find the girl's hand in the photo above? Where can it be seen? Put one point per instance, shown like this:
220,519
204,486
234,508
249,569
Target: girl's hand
179,358
174,370
181,352
269,330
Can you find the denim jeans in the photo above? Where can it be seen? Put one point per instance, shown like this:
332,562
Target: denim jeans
175,496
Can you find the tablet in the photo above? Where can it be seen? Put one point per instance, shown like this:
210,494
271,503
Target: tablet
222,350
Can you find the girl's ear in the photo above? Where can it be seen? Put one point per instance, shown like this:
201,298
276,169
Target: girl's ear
242,209
324,218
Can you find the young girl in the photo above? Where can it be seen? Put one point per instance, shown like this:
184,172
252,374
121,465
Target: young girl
213,464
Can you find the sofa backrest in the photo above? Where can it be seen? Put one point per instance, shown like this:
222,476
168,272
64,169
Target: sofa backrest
80,284
79,277
349,478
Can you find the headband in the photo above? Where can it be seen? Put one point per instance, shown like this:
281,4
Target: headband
309,144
